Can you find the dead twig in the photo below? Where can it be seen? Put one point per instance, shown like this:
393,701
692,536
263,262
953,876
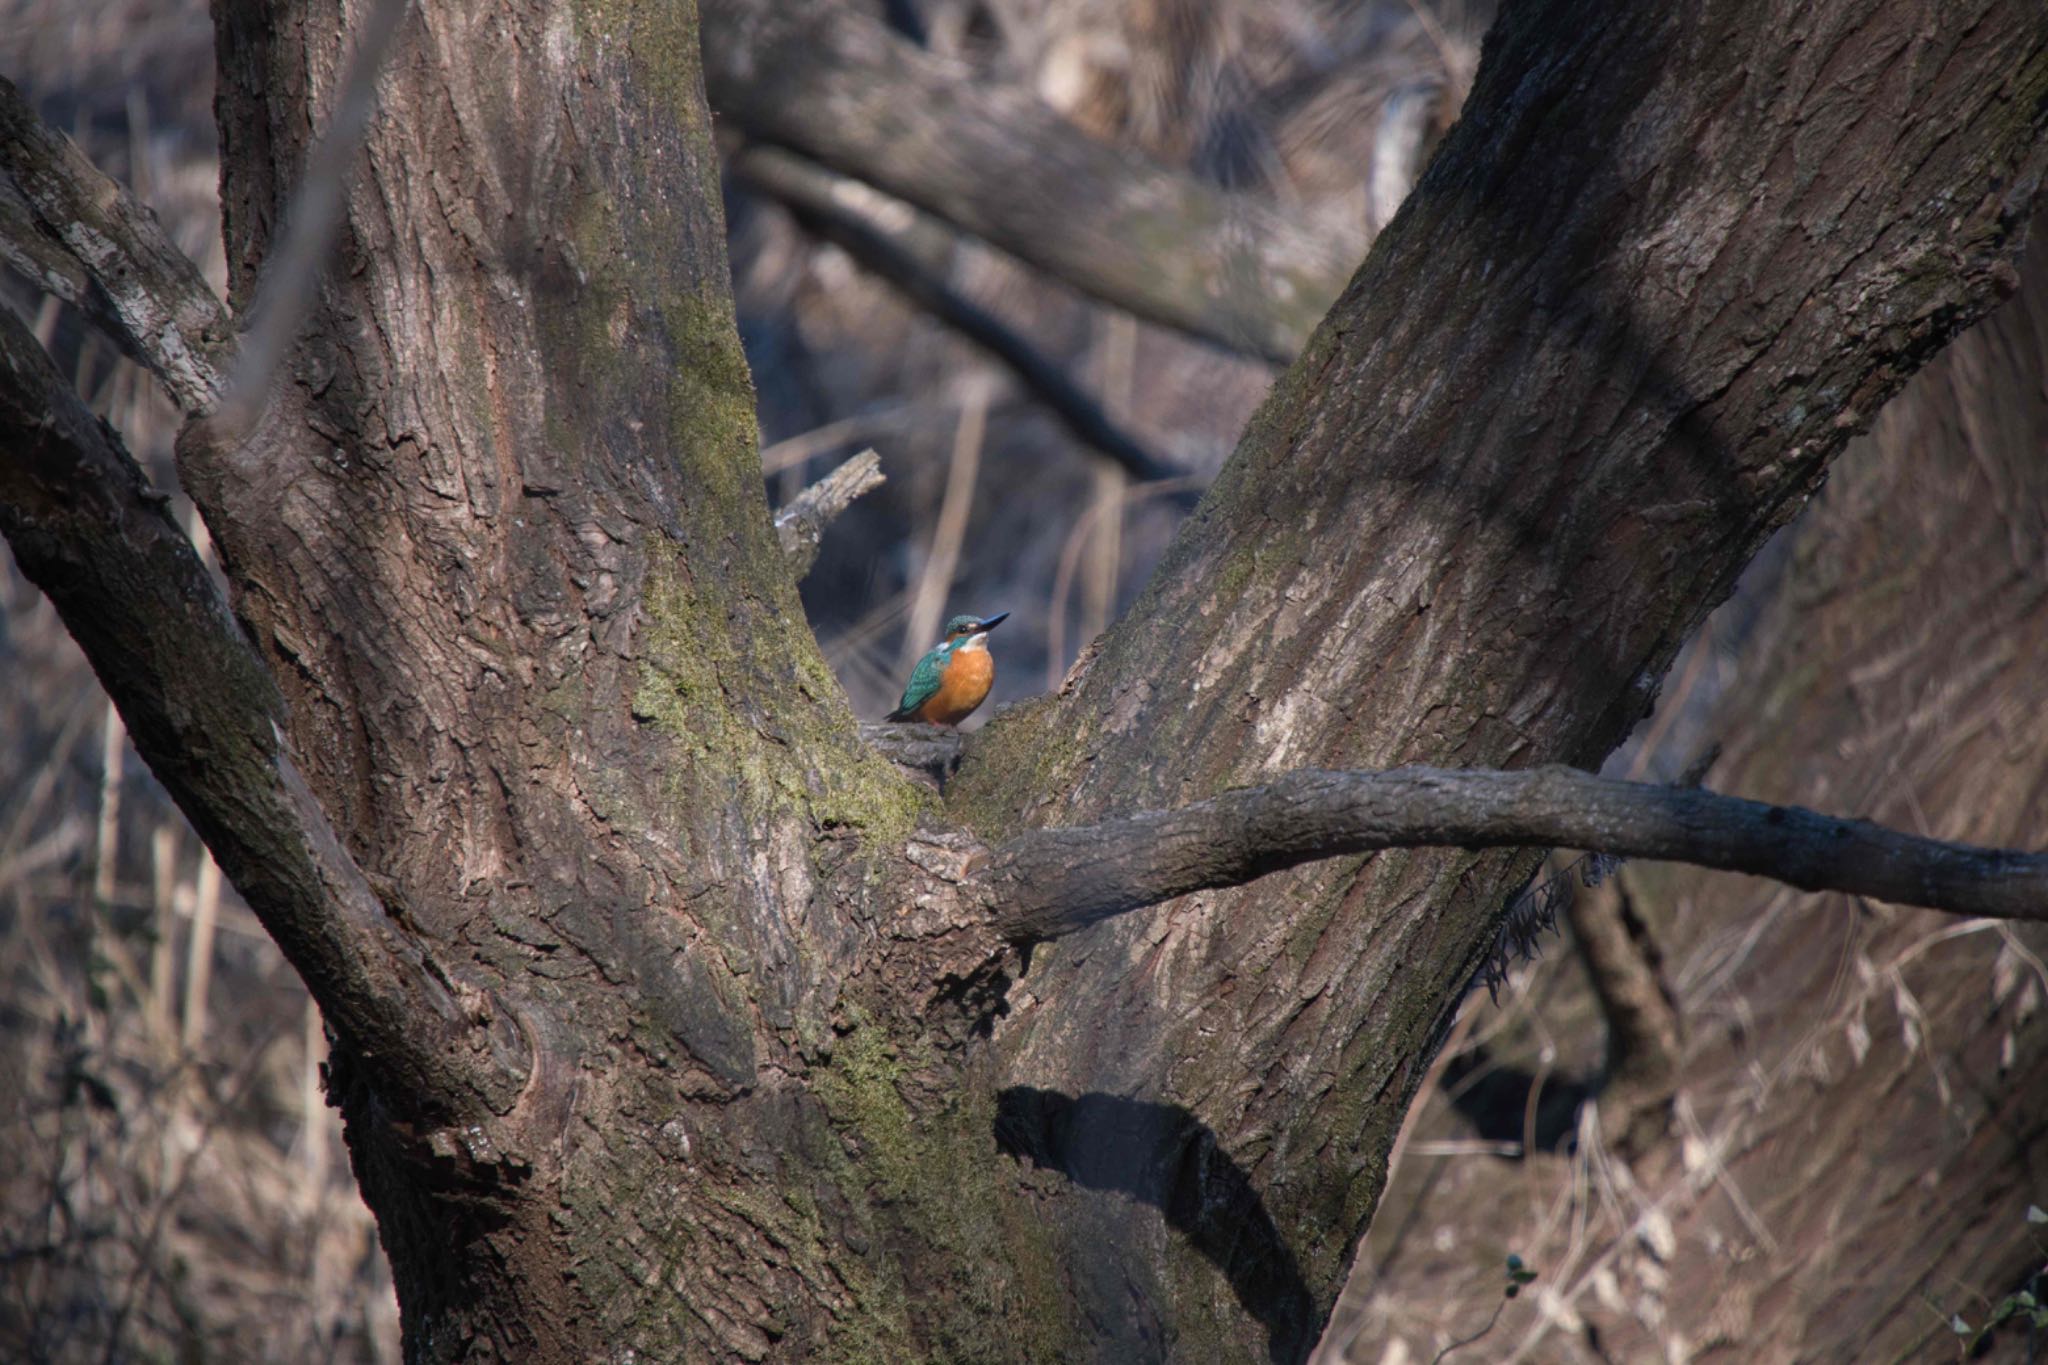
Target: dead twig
800,524
1051,882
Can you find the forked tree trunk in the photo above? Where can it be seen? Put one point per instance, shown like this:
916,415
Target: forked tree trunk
743,1073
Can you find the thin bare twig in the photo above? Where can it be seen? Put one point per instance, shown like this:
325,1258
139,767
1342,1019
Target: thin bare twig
928,603
795,450
163,863
312,1109
1462,1342
146,1269
107,837
199,954
1106,547
33,801
1056,661
17,865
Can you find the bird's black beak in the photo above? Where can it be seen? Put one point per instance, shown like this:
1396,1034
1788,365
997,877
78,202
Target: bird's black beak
990,623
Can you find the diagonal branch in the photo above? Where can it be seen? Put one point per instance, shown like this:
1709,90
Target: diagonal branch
45,263
151,298
1052,882
800,524
820,201
996,161
203,711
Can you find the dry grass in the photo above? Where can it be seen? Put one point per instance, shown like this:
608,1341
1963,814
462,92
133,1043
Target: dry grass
175,1188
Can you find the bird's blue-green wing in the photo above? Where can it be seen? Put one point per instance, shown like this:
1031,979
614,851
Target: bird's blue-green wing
924,680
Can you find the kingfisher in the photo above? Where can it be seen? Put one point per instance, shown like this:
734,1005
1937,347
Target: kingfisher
954,678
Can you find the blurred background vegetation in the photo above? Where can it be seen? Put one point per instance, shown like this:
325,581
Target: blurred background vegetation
174,1185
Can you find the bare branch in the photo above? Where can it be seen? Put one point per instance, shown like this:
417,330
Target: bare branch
154,301
998,162
1643,1026
800,525
1055,881
45,263
203,711
135,284
854,217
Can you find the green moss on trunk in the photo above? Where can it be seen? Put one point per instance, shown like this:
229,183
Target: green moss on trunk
980,1279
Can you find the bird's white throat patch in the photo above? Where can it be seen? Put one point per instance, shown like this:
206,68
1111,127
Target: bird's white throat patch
975,641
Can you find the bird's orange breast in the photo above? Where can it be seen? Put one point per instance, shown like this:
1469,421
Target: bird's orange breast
962,687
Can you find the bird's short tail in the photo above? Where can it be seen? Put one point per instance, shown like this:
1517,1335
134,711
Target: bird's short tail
898,714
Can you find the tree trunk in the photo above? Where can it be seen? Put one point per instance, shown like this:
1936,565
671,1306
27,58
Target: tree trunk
501,541
1470,530
1899,1135
1873,1082
747,1070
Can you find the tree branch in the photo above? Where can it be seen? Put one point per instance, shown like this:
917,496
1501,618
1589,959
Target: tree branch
203,711
46,264
998,162
1052,882
155,303
1643,1027
800,525
827,206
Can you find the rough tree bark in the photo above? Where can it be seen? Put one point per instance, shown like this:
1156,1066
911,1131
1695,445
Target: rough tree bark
1873,1082
746,1068
1468,532
1900,1135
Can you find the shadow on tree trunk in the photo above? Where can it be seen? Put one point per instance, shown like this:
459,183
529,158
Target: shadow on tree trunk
1162,1155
